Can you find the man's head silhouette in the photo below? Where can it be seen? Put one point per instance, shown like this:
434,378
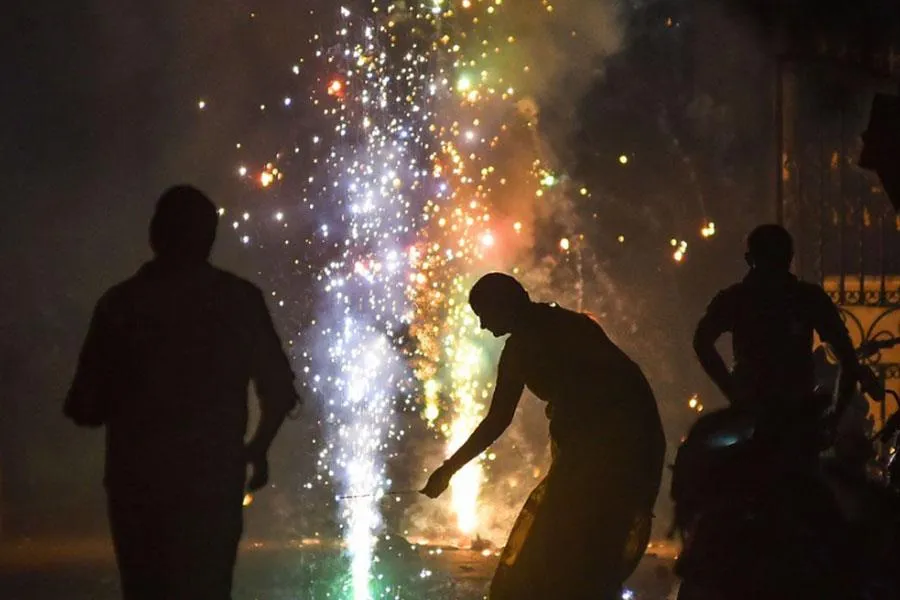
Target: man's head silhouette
184,224
498,299
770,248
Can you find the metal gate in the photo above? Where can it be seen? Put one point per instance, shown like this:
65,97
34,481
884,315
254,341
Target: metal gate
846,232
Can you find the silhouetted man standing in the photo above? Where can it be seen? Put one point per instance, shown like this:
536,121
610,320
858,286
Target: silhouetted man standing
166,366
771,316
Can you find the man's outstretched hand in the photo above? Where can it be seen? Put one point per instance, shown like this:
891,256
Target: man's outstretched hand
259,465
438,482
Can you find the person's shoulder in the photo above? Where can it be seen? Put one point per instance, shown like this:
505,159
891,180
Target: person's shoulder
808,287
542,316
811,290
225,277
242,291
813,293
733,290
553,310
554,316
728,296
120,294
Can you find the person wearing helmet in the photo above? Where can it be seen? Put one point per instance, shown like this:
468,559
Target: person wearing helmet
585,526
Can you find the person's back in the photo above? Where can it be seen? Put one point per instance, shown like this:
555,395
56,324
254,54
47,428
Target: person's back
189,339
166,367
570,362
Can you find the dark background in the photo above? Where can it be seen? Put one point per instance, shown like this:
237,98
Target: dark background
99,109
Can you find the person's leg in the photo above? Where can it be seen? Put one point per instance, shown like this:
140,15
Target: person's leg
592,565
203,549
595,512
519,569
574,541
136,533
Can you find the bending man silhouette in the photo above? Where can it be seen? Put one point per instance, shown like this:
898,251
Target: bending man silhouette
165,367
771,316
583,529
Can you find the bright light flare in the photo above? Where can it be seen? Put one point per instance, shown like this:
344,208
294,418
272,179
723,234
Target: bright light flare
680,249
695,404
336,88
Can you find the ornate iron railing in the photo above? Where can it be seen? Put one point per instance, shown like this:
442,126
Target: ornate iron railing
846,232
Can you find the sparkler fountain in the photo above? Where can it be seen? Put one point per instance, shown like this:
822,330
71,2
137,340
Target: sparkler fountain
361,371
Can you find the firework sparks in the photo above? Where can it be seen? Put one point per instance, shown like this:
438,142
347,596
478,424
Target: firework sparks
366,283
695,404
477,155
680,249
375,101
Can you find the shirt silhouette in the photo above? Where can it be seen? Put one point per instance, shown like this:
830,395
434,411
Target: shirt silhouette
166,365
772,316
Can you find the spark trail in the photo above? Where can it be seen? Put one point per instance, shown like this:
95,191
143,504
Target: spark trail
373,170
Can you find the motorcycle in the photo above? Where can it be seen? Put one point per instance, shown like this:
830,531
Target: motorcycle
763,514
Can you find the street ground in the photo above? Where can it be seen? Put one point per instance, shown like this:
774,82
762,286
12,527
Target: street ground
84,569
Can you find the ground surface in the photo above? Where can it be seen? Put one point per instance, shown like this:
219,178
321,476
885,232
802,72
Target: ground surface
303,570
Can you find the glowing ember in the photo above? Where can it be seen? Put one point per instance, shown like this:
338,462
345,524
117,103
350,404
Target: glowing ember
335,88
695,404
680,250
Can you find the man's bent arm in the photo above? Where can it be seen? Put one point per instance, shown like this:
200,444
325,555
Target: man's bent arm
705,347
503,407
273,379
